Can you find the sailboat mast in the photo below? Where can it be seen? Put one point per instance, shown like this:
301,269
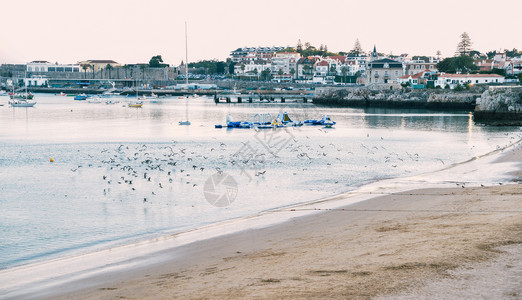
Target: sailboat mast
186,56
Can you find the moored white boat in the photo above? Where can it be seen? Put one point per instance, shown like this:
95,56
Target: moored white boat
22,103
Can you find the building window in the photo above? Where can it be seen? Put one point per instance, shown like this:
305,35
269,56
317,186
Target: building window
51,69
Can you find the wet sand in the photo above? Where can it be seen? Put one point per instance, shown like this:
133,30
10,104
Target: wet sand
427,243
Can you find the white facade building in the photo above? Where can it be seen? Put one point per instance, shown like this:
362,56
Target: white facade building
452,80
41,66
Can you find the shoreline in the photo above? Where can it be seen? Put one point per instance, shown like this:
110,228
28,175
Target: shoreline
179,251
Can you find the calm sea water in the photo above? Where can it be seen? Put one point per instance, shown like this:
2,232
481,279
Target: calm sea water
124,174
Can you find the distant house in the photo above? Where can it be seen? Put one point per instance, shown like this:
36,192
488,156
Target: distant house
253,53
416,79
452,80
305,68
415,66
98,65
383,71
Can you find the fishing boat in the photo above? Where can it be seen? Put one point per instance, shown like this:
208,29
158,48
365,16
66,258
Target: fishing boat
26,95
3,93
187,122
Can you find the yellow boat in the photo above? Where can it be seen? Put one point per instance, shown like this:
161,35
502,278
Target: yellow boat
135,104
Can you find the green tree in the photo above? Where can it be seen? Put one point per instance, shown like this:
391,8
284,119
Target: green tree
266,74
255,73
512,53
461,64
292,72
280,72
520,78
299,47
357,49
157,62
474,53
464,46
491,54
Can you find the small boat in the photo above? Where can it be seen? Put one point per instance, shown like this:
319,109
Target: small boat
184,122
80,97
94,100
22,103
135,104
109,102
28,96
60,94
3,93
325,121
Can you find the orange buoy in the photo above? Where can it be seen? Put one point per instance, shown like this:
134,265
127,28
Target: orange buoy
51,160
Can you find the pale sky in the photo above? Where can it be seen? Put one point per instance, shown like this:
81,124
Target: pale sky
132,31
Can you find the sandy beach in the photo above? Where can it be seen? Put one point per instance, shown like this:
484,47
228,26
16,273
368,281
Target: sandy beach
428,243
460,242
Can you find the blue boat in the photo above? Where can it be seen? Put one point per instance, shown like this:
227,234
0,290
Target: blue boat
325,121
80,97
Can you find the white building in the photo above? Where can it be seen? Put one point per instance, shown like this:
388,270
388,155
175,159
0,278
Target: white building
285,63
42,66
452,80
36,81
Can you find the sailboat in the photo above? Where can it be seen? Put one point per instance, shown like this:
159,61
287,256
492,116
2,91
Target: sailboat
22,102
139,101
187,122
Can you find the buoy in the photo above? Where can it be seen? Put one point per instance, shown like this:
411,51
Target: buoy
51,160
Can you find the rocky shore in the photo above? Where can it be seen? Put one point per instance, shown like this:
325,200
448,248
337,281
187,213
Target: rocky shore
500,106
396,98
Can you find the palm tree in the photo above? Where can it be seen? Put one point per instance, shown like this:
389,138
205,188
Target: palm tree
126,67
85,67
109,68
344,70
243,69
142,68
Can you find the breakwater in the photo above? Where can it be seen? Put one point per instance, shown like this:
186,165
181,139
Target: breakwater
398,98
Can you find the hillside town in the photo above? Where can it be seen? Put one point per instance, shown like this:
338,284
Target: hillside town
303,64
